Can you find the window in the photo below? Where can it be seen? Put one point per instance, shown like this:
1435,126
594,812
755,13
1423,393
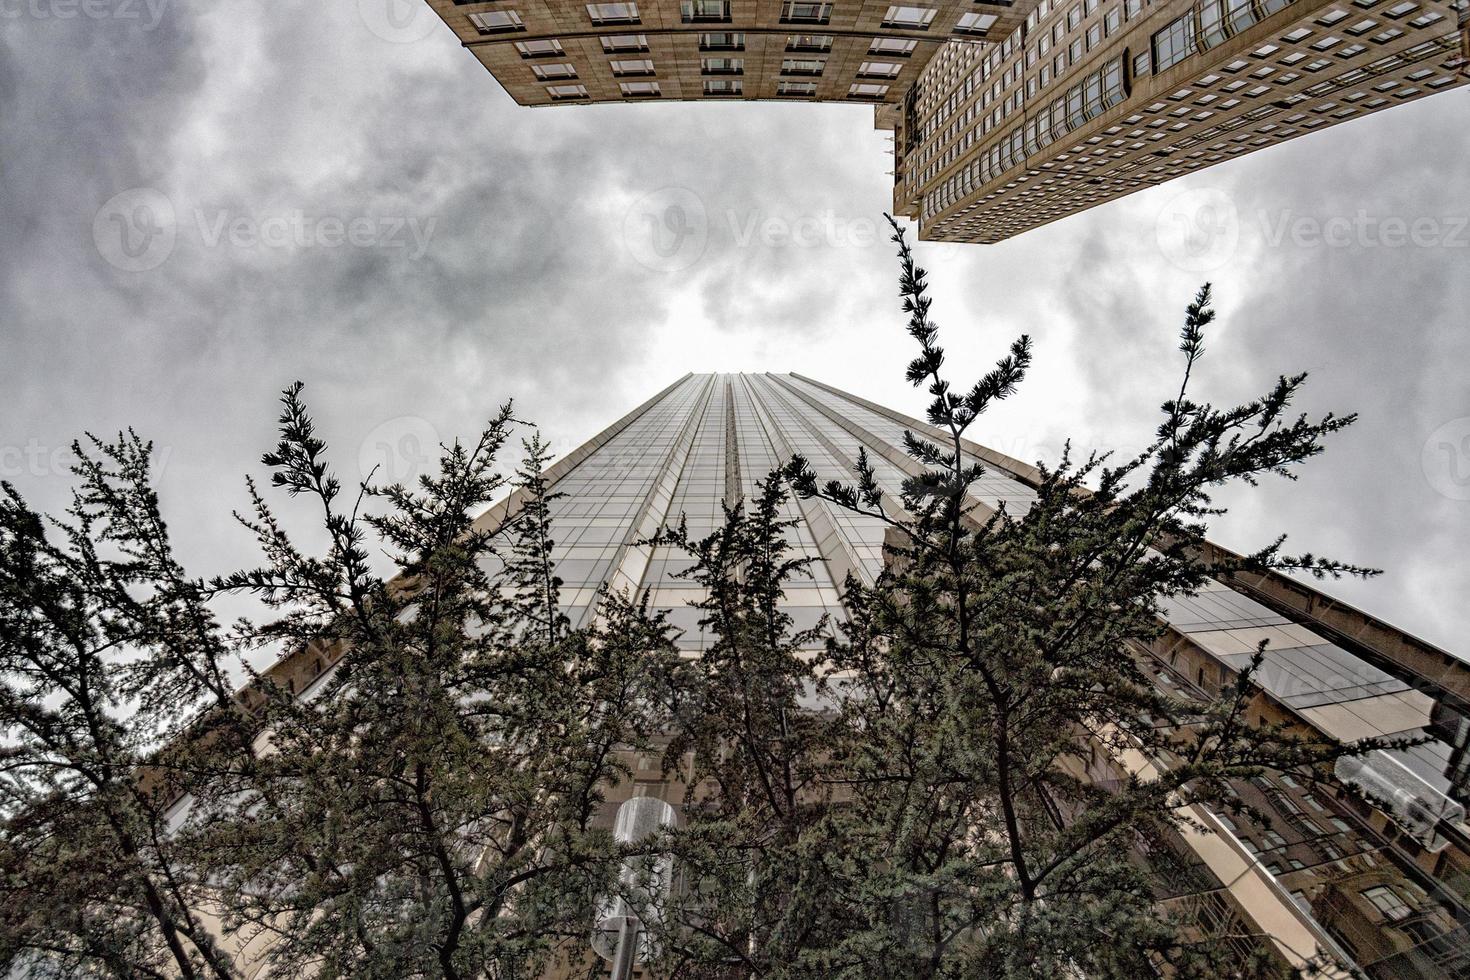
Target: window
1387,901
809,42
549,72
801,12
722,66
862,90
796,88
559,92
621,43
908,18
695,11
1074,17
802,66
1094,36
1174,43
722,86
1112,20
879,69
623,69
641,90
497,22
722,42
974,23
898,47
539,49
613,13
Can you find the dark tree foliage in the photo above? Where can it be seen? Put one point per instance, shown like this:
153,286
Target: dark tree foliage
972,776
107,649
962,806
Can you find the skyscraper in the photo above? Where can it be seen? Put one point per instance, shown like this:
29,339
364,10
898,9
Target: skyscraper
1005,116
1091,100
571,51
1381,889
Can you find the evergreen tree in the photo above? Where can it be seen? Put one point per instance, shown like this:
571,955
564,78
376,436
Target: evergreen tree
108,654
431,812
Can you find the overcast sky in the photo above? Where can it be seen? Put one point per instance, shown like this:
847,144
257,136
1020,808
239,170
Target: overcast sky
317,191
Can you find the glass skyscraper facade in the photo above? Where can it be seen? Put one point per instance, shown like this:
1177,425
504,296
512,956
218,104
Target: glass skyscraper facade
1379,889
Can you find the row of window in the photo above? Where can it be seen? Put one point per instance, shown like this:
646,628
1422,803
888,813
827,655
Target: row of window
717,87
632,43
998,77
1089,98
718,11
624,68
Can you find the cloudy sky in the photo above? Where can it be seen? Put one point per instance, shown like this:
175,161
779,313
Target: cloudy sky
360,206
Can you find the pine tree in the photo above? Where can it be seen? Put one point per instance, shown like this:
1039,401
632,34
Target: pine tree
433,810
109,654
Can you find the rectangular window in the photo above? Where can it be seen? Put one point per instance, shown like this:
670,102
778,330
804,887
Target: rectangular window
908,18
497,22
895,46
722,66
549,72
1094,36
704,11
1387,902
722,86
722,42
539,49
796,88
878,69
559,92
1112,20
802,66
973,23
809,42
639,90
1174,43
801,12
624,43
613,13
624,69
863,90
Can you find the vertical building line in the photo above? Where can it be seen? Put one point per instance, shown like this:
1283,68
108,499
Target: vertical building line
832,544
630,564
733,493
